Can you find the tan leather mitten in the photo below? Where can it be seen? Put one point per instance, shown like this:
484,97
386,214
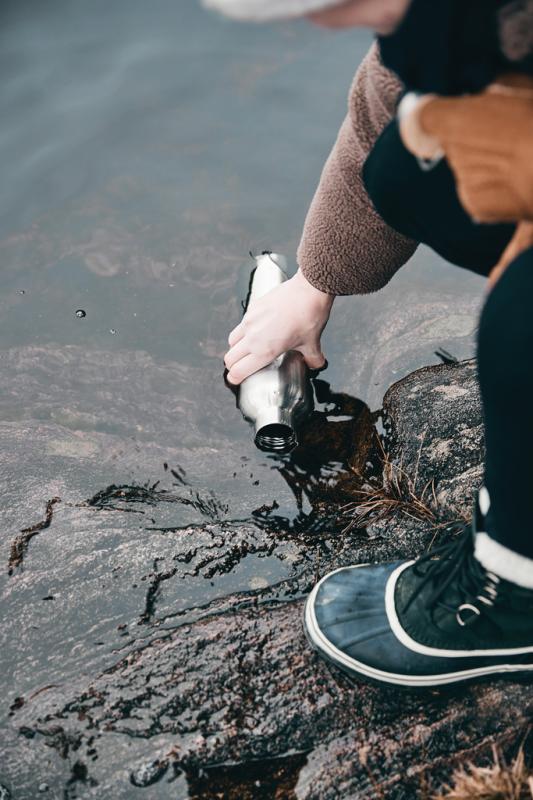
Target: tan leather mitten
488,141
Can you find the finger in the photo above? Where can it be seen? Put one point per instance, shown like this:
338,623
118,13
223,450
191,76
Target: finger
314,357
240,350
246,367
236,334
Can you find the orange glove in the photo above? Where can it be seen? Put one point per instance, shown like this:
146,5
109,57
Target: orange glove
488,141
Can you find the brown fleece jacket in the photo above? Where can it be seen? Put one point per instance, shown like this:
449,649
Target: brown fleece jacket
346,248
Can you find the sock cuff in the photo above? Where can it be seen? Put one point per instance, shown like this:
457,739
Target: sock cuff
503,562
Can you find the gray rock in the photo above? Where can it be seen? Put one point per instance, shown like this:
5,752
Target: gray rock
436,412
391,333
156,638
436,432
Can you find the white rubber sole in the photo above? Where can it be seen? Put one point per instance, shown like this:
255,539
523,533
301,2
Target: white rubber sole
321,643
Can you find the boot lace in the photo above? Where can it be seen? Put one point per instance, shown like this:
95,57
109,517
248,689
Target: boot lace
454,564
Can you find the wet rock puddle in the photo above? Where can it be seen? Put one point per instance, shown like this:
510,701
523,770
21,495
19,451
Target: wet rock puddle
263,558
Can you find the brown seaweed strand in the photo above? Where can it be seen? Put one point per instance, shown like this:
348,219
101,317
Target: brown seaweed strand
20,543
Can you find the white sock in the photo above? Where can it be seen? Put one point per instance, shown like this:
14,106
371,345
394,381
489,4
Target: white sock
496,558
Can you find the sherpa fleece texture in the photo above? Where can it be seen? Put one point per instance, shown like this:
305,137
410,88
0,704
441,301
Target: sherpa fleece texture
346,248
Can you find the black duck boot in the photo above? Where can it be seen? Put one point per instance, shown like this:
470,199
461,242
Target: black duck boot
438,620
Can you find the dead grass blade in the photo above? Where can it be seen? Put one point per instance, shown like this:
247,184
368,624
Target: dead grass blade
397,494
498,781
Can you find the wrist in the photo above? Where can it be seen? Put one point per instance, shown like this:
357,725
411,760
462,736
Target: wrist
319,297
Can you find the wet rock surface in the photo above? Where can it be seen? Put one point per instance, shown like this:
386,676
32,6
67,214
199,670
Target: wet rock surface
436,427
152,636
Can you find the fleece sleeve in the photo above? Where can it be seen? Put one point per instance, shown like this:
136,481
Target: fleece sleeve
346,248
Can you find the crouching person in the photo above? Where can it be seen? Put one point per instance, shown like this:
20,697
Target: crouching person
459,156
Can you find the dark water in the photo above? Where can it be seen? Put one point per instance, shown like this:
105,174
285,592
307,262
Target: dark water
144,149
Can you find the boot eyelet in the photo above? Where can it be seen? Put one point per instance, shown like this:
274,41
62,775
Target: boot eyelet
485,600
470,619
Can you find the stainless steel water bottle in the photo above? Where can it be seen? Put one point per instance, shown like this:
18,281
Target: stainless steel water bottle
277,398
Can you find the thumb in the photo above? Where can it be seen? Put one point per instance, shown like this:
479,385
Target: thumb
313,356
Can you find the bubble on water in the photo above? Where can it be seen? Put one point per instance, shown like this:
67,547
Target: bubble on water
81,313
112,331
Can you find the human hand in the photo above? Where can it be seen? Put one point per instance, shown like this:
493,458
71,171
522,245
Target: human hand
290,317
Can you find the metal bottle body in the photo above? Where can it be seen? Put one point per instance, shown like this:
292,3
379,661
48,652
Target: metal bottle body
277,398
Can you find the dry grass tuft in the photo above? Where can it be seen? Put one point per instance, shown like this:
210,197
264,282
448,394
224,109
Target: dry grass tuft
499,781
398,493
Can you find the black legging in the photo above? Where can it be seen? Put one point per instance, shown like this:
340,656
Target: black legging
424,206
